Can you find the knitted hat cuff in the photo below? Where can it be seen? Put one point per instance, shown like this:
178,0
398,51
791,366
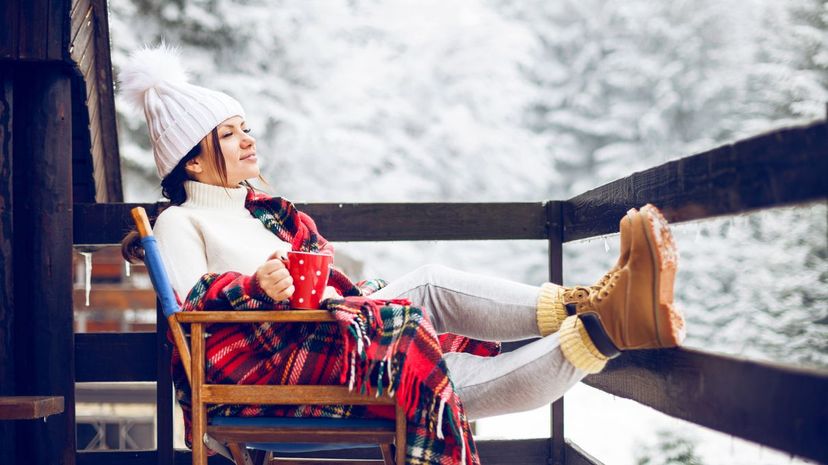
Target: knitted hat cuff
550,309
578,348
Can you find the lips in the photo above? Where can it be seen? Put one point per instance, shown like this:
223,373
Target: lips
249,155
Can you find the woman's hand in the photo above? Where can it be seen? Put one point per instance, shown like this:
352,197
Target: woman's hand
274,278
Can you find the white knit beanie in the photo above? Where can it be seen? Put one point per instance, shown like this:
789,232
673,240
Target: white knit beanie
179,114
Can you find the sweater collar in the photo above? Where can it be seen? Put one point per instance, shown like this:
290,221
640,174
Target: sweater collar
200,195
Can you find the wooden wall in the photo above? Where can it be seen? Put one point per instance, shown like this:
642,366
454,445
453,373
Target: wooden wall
89,50
75,32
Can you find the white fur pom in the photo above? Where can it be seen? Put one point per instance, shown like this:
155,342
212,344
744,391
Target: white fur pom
148,67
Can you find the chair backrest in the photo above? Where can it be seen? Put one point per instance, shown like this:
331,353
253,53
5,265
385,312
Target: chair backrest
155,265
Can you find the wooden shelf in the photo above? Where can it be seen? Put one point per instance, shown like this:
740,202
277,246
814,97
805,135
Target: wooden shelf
29,407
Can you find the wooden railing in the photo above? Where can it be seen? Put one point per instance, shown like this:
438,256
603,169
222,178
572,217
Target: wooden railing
781,407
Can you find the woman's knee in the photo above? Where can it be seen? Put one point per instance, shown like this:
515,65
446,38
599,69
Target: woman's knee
432,272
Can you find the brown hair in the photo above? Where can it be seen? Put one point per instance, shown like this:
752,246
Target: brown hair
172,188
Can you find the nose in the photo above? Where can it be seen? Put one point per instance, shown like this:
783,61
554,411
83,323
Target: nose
248,140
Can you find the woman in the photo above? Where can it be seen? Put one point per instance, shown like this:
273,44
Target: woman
205,154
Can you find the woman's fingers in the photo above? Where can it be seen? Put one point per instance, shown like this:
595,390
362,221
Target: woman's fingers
272,265
278,285
285,294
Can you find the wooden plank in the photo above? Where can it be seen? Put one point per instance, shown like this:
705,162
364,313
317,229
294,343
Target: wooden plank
144,457
115,393
577,456
286,395
779,406
97,224
44,355
7,377
82,188
111,297
779,168
115,357
58,33
492,452
81,16
86,48
554,211
104,82
164,392
33,36
314,435
199,399
273,316
29,407
9,15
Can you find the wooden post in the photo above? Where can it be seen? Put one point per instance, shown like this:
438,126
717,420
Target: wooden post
199,410
7,436
163,391
554,221
42,221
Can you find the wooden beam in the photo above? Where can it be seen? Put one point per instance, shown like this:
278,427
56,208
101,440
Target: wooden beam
779,168
265,434
42,221
116,357
10,19
112,298
554,218
286,395
778,406
101,224
106,110
34,29
7,369
492,452
577,456
29,407
57,40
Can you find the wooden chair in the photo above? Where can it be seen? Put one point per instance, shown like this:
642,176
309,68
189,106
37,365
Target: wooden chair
268,434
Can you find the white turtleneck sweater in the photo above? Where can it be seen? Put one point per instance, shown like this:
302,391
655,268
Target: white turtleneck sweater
212,232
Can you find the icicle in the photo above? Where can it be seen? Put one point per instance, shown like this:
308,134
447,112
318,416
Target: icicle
127,268
87,257
606,245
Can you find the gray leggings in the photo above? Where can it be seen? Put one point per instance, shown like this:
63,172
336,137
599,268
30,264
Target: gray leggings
495,310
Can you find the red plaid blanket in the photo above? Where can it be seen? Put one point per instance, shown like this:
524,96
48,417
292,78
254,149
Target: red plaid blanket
385,347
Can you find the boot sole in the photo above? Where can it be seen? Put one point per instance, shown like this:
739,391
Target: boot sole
669,320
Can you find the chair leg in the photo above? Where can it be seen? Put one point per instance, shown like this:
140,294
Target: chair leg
400,439
240,455
199,408
387,456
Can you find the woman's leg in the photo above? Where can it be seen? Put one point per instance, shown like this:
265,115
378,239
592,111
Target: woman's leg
471,305
532,376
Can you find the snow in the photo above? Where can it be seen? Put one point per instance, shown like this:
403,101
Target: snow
378,101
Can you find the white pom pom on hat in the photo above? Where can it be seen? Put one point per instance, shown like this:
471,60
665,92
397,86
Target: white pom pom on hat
179,114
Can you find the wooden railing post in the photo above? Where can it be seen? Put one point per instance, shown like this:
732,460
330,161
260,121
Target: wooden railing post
42,223
554,223
163,392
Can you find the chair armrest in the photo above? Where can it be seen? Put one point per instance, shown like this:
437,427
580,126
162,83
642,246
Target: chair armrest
244,316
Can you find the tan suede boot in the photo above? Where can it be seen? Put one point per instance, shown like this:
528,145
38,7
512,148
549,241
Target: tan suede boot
555,302
635,305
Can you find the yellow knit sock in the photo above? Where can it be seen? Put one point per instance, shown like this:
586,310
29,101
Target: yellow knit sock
551,311
578,348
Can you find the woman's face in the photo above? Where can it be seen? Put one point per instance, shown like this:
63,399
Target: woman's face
239,150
